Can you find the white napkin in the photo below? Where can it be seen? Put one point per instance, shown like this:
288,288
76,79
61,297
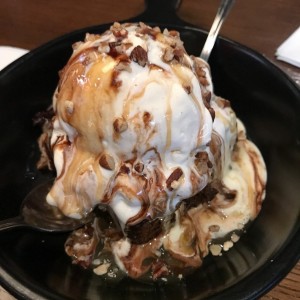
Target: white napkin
9,54
289,50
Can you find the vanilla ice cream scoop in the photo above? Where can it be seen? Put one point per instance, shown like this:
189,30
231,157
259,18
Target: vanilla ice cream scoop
132,113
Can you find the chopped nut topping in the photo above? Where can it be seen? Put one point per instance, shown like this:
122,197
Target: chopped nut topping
155,67
147,118
215,249
115,81
90,37
146,30
107,162
139,55
139,167
240,226
187,88
200,72
77,45
227,245
234,237
168,54
175,176
120,125
87,239
123,66
178,54
102,269
203,81
126,46
124,169
116,25
88,57
202,162
156,29
175,185
223,102
103,48
207,96
174,33
120,33
115,48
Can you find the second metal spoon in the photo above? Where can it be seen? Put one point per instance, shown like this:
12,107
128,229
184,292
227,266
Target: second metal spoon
222,13
37,214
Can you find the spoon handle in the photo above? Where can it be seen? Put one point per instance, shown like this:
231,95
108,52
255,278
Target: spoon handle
12,223
221,15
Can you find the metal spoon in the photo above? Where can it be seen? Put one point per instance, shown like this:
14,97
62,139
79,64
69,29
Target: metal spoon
222,13
37,214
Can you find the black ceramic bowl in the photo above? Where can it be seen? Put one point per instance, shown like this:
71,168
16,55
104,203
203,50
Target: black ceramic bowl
34,266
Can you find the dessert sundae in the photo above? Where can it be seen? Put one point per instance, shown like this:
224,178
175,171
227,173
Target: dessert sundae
138,136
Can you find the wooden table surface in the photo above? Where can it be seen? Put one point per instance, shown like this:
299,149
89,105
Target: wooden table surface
259,24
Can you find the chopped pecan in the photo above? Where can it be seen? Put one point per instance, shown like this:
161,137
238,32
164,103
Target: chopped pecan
120,33
115,81
203,81
90,37
168,54
201,162
202,155
178,54
81,245
147,30
139,55
223,102
103,48
107,162
173,179
124,169
120,125
174,33
123,66
206,97
139,167
147,118
187,88
115,48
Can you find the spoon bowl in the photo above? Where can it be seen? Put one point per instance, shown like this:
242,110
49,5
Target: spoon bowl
37,214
